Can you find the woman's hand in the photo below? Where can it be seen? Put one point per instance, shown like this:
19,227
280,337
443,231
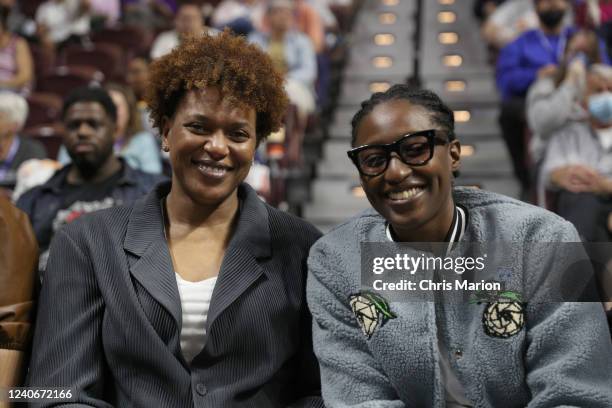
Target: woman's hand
576,178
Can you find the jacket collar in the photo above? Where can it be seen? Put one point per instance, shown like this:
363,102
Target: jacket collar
252,230
55,183
153,266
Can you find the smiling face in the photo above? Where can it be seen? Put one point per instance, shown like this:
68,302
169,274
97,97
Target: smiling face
89,135
212,144
410,198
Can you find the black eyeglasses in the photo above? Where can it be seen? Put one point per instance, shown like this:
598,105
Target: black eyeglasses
414,149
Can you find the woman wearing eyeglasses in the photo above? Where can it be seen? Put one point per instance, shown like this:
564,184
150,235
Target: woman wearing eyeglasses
377,353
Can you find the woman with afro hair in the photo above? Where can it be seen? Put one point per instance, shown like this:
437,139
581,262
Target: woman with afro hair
194,295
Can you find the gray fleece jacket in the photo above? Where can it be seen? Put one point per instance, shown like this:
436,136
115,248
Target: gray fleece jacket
562,357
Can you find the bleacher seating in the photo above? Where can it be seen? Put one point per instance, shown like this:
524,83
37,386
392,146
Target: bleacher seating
105,57
45,108
134,40
49,135
65,78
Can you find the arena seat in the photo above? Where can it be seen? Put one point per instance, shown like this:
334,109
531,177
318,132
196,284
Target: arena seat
43,108
65,78
107,58
44,60
29,7
50,135
134,40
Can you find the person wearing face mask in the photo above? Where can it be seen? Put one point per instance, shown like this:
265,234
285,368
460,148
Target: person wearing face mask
578,161
533,54
554,100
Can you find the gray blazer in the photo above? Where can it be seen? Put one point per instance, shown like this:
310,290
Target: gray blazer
109,315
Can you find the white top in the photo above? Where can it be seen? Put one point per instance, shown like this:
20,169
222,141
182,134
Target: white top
63,19
195,301
168,40
454,390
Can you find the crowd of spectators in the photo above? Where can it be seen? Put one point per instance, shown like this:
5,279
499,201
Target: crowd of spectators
75,130
552,70
49,48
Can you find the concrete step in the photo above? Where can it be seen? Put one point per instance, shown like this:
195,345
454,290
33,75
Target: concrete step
355,91
403,8
333,202
403,29
341,126
336,163
455,90
490,159
361,64
469,46
481,121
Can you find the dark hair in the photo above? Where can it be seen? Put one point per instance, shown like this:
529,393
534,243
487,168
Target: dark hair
90,94
592,52
242,71
134,124
441,115
5,11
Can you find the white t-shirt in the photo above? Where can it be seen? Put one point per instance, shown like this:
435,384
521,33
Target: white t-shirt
63,19
454,390
195,301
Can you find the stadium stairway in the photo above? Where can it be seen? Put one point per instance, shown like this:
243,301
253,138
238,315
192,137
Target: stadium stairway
432,42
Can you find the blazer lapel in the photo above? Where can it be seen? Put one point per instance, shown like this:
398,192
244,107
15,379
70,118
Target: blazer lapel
152,267
240,268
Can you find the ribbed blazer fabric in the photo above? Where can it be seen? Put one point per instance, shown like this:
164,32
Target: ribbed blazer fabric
109,314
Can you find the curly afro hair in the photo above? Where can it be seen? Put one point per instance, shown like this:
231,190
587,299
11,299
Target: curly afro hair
241,71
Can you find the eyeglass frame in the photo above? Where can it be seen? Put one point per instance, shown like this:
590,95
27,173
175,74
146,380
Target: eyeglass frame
395,146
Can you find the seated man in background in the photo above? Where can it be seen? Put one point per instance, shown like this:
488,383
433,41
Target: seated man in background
96,178
578,161
18,255
14,150
292,54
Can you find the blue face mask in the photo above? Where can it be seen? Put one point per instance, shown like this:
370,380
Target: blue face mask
600,107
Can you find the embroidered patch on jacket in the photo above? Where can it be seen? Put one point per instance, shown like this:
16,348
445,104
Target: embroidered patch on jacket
371,310
504,315
503,319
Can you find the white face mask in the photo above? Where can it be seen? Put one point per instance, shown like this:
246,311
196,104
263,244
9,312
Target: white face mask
605,137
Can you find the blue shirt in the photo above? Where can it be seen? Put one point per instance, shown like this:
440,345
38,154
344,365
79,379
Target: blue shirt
518,62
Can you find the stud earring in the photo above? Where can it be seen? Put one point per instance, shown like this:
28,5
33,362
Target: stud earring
165,148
